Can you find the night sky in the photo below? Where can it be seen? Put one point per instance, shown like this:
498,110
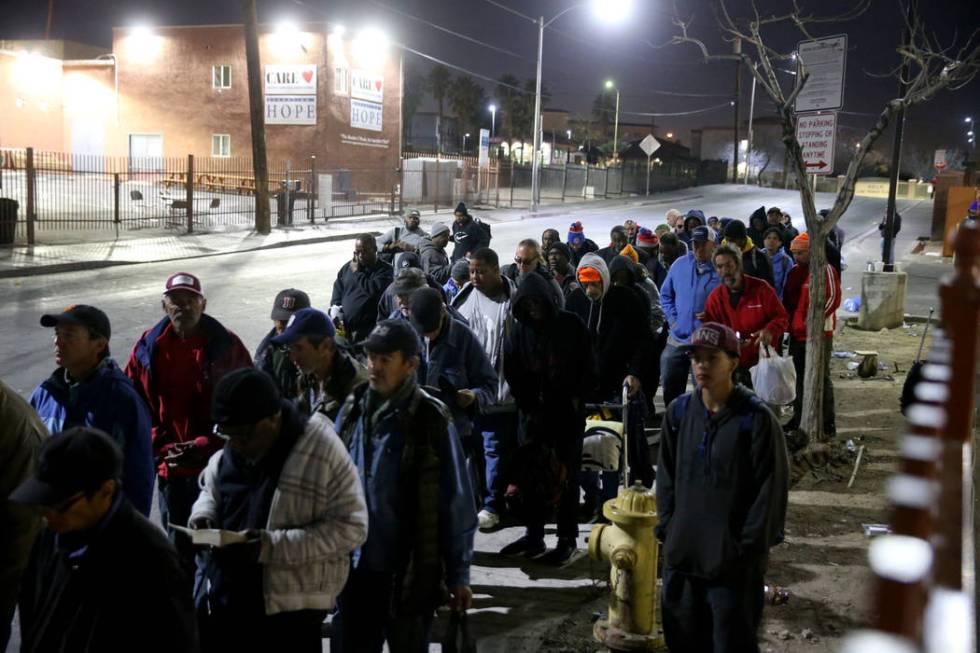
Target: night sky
580,52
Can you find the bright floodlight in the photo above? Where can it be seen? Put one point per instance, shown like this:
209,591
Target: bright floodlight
141,32
370,46
612,11
493,108
609,84
287,28
968,120
338,30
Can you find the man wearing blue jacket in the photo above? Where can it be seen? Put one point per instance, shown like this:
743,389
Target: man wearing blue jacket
421,514
89,389
689,282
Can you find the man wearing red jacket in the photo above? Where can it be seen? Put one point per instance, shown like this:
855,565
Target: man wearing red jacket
796,299
748,306
174,366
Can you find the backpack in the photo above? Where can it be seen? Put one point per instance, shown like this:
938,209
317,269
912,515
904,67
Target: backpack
485,228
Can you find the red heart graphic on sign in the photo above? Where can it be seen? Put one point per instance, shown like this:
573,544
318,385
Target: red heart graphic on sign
308,75
377,85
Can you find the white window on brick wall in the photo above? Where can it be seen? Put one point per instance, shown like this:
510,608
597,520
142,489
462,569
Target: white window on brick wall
340,80
220,76
220,144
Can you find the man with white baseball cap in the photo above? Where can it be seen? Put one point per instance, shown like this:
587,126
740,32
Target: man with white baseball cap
174,366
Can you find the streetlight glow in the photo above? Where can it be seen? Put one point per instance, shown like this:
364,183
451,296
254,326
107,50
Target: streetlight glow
612,11
370,47
968,120
609,84
339,30
287,28
141,32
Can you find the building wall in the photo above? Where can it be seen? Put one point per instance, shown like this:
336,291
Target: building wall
166,88
31,102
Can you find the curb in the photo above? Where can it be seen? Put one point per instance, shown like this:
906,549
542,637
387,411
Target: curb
612,204
77,266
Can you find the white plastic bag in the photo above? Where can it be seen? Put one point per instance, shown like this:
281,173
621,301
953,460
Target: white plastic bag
774,377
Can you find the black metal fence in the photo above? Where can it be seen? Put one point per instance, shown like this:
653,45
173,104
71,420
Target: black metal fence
70,192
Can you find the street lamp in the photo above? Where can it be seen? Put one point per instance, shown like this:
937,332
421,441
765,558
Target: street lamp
465,136
610,86
607,10
493,117
971,138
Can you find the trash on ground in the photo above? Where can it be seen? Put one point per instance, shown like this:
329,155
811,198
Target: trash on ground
874,530
852,304
844,354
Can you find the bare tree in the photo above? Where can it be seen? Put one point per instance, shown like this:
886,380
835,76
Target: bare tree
927,67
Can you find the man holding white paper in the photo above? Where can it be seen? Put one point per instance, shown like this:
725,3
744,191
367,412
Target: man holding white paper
286,482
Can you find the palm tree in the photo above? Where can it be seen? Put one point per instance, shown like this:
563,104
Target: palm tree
466,98
509,99
438,81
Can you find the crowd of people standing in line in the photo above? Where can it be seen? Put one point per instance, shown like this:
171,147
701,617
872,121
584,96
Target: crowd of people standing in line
357,453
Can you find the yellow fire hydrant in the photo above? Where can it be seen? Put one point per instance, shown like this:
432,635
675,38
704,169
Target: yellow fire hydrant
631,549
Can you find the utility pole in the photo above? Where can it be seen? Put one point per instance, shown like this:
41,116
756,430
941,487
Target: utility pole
263,223
738,94
887,255
47,25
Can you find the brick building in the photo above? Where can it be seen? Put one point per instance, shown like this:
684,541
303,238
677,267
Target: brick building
174,91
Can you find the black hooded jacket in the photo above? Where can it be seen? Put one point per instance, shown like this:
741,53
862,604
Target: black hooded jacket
722,483
620,329
758,223
550,364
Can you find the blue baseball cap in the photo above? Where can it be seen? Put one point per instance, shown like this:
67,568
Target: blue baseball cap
700,235
305,322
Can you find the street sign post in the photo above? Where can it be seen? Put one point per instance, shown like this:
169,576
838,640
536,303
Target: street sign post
649,145
940,160
824,61
817,134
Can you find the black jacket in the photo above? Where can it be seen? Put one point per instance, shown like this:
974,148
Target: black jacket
359,293
549,365
469,237
588,247
126,592
658,271
274,360
435,262
755,263
722,483
758,223
576,301
557,296
620,329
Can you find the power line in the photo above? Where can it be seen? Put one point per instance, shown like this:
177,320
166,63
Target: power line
461,69
513,11
678,113
448,31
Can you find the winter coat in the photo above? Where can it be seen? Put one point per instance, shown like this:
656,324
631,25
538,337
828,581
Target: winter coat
126,590
106,400
492,332
576,301
557,296
416,238
690,223
224,353
347,374
274,360
389,473
684,294
469,237
796,299
20,440
755,263
317,517
657,271
758,223
550,366
457,356
588,247
722,483
646,289
758,308
780,262
358,293
620,330
389,302
435,262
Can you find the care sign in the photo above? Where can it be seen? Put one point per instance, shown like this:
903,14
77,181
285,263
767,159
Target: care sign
290,110
365,115
299,79
367,85
817,134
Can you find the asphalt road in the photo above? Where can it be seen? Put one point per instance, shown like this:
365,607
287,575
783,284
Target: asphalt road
240,287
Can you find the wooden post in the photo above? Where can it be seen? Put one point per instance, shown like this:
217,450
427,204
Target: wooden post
189,193
263,222
311,192
31,198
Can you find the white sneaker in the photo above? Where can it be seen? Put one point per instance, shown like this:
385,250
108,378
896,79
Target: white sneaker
488,519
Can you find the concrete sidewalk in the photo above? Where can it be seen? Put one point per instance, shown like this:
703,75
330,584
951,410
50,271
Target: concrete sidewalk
104,249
